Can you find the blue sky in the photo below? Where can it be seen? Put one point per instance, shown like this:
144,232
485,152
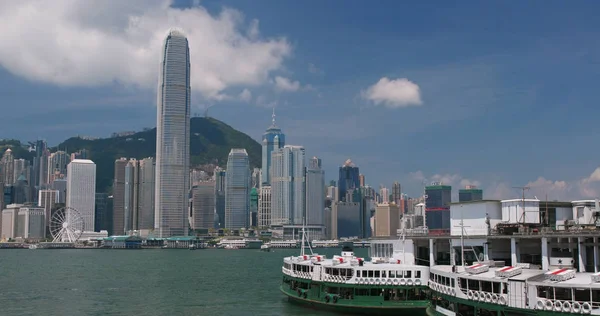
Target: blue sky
506,90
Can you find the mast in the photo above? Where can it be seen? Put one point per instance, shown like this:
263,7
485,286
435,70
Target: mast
304,239
462,239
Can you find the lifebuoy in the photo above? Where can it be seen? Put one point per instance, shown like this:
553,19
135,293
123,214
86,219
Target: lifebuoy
488,297
409,282
548,304
494,298
586,307
476,296
576,307
502,300
389,282
566,307
395,281
403,282
335,299
470,294
417,282
540,304
558,306
453,292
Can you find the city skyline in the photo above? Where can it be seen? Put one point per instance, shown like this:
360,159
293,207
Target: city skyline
485,88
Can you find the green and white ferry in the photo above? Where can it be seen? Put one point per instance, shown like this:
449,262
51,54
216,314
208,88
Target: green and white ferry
389,283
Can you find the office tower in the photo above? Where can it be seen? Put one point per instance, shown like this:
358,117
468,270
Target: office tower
103,217
256,177
10,221
272,140
288,185
384,194
203,205
173,137
31,223
348,219
437,211
40,164
60,185
361,180
348,179
237,189
81,190
46,200
396,193
315,192
253,219
21,168
8,167
387,220
118,217
470,193
264,206
145,218
220,177
130,213
57,165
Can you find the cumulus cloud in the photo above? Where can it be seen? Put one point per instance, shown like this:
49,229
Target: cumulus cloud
246,95
91,43
565,190
285,84
394,93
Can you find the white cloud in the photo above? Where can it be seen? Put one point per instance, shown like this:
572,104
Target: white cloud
563,190
285,84
394,93
246,95
91,43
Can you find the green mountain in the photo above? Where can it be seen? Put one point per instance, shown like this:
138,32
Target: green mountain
210,143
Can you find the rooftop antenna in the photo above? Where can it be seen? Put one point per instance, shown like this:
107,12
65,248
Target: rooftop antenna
523,189
273,116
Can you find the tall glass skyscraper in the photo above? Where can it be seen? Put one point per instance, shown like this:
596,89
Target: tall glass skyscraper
349,179
237,189
288,187
173,137
272,139
315,192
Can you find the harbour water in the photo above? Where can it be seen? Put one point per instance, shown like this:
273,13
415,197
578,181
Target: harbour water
146,282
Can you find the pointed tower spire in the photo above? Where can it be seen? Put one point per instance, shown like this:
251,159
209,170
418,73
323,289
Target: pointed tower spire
273,116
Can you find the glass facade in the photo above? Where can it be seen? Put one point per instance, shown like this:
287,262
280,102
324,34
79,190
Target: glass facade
173,138
349,179
288,185
237,190
315,192
272,140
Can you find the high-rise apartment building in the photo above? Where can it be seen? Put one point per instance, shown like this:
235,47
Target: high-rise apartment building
396,193
57,165
81,190
288,185
118,217
237,189
272,139
264,206
387,220
203,205
133,195
8,167
315,192
145,208
384,195
173,137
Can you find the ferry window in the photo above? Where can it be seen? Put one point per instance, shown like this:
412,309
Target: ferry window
453,284
392,274
376,274
407,274
496,286
486,286
418,274
562,293
582,295
546,292
462,283
473,285
370,273
399,273
504,288
383,274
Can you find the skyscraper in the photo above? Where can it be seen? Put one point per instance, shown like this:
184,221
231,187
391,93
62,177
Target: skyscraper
220,177
315,192
348,180
81,190
237,189
272,139
203,205
173,137
264,206
437,212
118,226
57,165
145,212
288,185
397,193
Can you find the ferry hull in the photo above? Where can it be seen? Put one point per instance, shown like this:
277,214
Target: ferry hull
415,308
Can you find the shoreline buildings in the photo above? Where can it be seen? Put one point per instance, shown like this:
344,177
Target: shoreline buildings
173,138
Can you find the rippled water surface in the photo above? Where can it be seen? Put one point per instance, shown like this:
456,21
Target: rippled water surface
146,282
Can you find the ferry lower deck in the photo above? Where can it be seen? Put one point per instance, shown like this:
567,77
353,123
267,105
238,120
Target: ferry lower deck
357,298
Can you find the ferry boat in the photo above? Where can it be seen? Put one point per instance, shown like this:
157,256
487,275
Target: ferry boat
388,284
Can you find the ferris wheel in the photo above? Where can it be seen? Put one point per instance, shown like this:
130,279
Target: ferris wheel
66,225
